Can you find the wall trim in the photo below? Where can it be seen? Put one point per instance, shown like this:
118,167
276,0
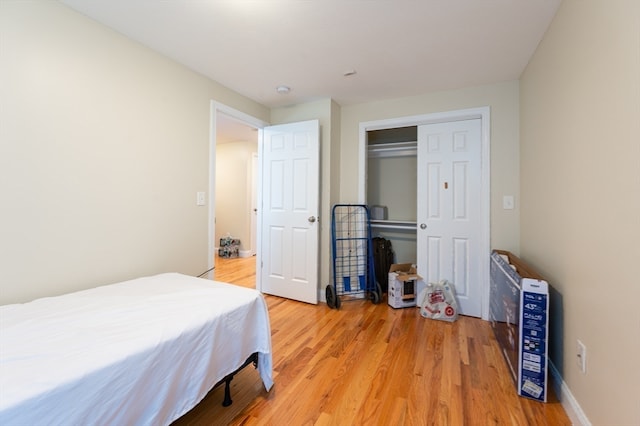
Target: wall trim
566,398
215,108
245,253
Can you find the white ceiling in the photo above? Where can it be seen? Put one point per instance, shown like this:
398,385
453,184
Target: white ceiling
397,47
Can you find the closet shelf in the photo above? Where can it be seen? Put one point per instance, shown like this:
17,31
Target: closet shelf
394,224
394,149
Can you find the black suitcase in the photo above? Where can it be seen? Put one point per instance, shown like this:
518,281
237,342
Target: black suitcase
382,261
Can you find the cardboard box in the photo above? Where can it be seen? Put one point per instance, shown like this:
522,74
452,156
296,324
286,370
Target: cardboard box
519,315
229,247
404,283
229,241
378,212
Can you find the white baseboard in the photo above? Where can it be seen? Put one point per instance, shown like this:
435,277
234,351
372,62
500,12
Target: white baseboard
569,403
245,253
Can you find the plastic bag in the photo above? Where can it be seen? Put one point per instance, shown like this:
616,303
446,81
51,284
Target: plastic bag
438,301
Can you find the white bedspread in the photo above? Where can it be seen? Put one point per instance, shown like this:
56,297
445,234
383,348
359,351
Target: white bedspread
140,352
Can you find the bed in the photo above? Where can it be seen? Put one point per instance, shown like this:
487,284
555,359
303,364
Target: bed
139,352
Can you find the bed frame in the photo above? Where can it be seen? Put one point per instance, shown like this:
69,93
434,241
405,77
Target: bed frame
253,359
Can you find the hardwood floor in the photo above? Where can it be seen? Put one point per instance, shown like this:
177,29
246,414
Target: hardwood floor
372,365
240,271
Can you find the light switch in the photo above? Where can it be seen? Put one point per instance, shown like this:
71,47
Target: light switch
507,202
200,200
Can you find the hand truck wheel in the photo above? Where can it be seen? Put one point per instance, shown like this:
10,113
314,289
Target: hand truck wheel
333,301
376,295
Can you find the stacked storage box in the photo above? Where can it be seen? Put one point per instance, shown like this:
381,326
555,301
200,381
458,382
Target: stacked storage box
229,247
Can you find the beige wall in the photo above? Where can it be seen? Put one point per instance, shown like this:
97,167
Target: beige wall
580,167
233,191
501,98
392,182
103,146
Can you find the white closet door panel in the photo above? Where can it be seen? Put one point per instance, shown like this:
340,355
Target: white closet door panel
461,266
434,258
449,203
460,188
434,195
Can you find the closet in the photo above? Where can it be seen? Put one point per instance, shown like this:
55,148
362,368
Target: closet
392,188
428,193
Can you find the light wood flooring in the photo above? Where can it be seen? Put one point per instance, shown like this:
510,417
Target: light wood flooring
371,364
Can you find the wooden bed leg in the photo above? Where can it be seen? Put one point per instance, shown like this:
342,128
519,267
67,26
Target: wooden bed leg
227,392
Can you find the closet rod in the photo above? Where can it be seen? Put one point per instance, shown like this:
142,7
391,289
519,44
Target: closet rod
407,226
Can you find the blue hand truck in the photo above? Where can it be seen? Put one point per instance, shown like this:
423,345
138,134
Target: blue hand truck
352,251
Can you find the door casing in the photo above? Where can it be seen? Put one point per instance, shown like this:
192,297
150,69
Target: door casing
215,109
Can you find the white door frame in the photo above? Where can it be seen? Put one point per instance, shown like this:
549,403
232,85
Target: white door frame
217,107
253,202
482,113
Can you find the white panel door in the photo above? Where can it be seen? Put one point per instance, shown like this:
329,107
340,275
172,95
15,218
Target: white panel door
449,209
290,200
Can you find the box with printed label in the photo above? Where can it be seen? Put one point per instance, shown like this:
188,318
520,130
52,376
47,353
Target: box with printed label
229,241
404,283
519,316
229,252
534,318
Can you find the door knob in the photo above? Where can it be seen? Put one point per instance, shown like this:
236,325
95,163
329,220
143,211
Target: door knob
423,226
311,219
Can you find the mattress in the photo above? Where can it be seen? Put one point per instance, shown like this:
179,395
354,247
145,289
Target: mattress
140,352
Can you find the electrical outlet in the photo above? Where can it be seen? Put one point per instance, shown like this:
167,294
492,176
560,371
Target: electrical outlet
581,354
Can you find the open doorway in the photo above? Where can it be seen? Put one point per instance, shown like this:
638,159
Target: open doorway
234,191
